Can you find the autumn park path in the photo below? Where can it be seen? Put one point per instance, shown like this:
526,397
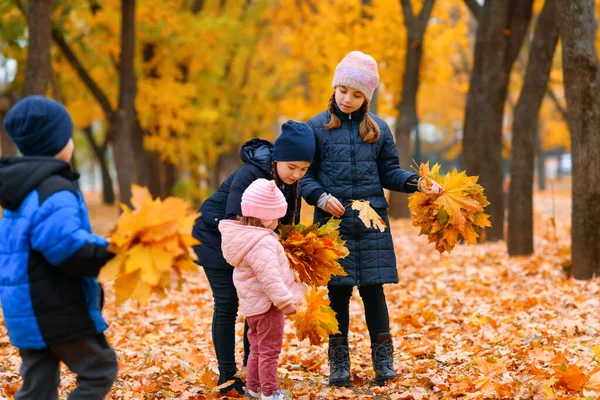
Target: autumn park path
472,324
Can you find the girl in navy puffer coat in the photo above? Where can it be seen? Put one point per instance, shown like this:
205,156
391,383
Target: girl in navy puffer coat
356,159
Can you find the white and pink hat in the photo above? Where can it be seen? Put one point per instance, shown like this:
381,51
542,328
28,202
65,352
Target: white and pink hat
358,71
263,200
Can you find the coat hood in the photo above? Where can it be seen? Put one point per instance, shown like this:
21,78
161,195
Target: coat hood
239,239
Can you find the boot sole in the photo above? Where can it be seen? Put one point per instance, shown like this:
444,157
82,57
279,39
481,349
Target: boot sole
341,383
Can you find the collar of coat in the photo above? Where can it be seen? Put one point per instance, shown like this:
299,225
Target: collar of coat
355,116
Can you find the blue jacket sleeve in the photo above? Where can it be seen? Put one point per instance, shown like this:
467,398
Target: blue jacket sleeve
59,234
392,176
243,178
310,187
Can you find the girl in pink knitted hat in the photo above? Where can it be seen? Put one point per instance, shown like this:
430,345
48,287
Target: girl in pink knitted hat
265,284
356,159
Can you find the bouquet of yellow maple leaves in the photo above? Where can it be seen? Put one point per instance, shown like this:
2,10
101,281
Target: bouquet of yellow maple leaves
456,213
313,252
152,247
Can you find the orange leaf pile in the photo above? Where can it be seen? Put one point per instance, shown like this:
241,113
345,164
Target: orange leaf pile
367,215
314,251
152,246
318,320
458,212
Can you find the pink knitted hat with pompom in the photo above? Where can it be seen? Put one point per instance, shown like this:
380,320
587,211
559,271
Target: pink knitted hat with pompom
358,71
263,200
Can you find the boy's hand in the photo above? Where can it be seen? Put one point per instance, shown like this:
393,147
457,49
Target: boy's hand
289,309
334,207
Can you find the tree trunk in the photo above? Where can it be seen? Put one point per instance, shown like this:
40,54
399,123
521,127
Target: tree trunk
39,66
525,131
141,157
108,192
122,121
407,109
580,69
407,118
495,53
541,161
559,170
163,176
6,144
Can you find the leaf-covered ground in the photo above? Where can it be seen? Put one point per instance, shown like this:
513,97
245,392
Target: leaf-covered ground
472,324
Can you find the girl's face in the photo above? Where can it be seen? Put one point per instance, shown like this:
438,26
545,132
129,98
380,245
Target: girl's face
348,99
290,172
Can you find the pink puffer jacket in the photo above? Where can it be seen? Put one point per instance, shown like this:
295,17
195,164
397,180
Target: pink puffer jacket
262,274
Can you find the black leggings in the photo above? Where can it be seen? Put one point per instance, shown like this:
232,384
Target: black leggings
376,311
224,317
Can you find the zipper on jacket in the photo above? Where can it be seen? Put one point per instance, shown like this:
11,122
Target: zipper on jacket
354,198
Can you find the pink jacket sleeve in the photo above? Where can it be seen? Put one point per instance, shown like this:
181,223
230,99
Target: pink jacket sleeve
263,261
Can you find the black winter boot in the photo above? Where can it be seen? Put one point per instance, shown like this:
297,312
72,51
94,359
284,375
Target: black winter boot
339,362
382,351
237,384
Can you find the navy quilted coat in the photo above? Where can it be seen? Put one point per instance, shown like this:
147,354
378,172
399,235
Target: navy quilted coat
350,169
226,202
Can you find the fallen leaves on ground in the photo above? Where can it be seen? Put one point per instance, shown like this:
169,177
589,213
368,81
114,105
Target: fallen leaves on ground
457,213
469,325
152,247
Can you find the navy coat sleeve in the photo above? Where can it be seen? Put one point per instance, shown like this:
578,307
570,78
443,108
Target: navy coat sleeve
392,176
60,236
310,188
243,178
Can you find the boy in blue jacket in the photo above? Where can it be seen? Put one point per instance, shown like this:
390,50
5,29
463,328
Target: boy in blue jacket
49,259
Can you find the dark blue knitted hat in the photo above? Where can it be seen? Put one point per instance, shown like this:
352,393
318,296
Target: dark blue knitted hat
39,126
296,143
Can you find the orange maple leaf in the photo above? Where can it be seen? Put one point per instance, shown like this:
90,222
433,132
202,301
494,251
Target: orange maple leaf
152,245
317,321
571,377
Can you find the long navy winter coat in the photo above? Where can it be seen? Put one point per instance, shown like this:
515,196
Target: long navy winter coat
226,202
350,169
49,259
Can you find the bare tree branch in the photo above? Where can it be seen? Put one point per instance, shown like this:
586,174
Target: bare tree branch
83,74
561,109
407,10
424,15
474,7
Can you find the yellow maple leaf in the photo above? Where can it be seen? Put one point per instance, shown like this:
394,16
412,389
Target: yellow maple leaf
456,213
152,246
367,215
313,251
317,321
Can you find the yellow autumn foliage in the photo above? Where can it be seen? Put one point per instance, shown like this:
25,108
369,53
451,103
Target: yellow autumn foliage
317,321
152,246
457,213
